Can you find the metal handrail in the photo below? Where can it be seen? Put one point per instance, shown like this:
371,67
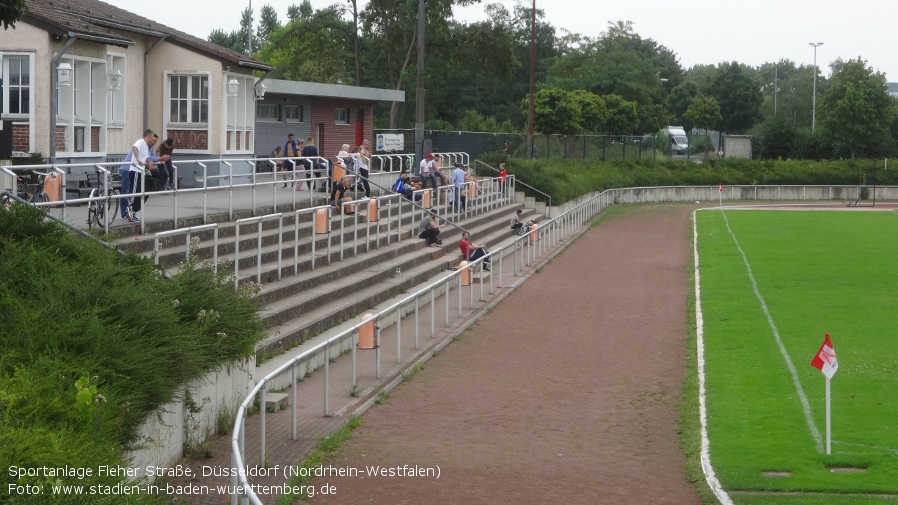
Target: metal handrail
519,182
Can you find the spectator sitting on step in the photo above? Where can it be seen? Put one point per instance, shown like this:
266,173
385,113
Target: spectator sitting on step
405,186
518,225
339,198
473,252
430,230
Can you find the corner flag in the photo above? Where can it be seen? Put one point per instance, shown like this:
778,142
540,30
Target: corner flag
825,360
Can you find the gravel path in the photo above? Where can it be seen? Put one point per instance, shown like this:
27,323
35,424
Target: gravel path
565,393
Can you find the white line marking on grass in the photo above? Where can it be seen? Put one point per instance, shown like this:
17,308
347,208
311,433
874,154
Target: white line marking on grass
779,342
707,469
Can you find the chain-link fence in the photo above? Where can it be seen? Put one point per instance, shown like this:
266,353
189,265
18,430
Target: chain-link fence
589,147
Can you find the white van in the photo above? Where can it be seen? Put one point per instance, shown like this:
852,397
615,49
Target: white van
679,142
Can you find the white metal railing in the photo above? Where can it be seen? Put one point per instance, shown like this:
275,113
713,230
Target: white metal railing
188,234
382,216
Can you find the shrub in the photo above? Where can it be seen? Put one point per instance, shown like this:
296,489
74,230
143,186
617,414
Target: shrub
95,341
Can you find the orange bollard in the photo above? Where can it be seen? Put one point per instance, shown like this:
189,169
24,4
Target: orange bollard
425,200
465,273
366,332
372,211
339,172
322,223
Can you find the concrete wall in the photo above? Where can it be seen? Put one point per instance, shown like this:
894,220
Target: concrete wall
187,422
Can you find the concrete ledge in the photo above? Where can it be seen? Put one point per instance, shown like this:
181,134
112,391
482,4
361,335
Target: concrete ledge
275,402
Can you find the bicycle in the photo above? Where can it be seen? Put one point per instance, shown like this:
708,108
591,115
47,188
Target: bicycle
38,196
99,210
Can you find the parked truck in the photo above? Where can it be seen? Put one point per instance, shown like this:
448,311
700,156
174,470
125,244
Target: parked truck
678,141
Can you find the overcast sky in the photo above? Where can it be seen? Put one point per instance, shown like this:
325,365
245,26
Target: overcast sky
698,32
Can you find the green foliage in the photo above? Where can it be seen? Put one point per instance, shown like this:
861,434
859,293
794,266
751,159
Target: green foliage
777,140
622,115
95,341
566,179
856,111
737,90
703,112
554,111
593,113
316,47
473,121
679,100
10,12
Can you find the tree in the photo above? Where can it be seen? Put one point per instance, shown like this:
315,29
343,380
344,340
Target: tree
245,33
855,112
11,11
737,90
651,118
554,111
703,113
593,113
622,116
474,121
619,62
225,39
679,99
312,48
777,139
268,23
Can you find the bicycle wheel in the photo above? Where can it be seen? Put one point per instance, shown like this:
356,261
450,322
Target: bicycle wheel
38,197
112,205
93,210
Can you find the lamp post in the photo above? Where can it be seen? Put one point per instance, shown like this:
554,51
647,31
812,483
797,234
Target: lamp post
815,45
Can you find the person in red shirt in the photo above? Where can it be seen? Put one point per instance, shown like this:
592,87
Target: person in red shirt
502,175
473,252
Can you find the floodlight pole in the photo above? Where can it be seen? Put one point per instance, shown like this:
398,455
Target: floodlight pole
815,45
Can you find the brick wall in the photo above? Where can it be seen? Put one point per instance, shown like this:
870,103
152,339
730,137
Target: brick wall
20,138
333,136
60,139
94,139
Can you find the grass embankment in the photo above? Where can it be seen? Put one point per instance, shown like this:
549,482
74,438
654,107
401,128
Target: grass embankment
817,272
93,342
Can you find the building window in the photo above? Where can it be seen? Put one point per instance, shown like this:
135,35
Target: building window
18,84
189,99
267,112
293,113
79,139
341,116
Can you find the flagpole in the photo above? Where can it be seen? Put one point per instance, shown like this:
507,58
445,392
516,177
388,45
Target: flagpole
828,432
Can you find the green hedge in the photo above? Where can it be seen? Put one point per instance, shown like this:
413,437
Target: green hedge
568,179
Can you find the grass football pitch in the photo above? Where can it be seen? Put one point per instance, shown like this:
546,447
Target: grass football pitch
772,282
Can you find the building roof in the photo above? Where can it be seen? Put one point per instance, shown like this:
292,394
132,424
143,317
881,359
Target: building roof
104,23
318,89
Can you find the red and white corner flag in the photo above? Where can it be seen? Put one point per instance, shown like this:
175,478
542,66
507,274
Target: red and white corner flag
720,187
825,360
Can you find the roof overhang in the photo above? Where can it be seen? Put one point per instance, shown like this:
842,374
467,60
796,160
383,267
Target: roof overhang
333,91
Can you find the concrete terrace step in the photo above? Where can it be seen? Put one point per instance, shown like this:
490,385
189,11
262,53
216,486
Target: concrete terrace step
310,302
301,308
